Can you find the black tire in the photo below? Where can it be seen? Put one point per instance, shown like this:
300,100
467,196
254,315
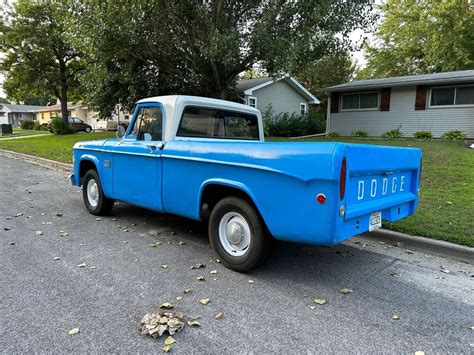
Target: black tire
104,204
88,130
259,246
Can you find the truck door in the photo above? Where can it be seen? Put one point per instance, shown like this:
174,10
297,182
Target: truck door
137,165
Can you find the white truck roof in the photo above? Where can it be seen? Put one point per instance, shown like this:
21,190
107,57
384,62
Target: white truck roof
174,105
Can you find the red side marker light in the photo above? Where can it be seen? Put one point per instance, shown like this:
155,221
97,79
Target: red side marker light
321,198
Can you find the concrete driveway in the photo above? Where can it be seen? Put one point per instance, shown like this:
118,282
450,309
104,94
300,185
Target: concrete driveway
41,299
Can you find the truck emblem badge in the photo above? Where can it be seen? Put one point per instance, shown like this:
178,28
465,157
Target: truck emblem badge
107,163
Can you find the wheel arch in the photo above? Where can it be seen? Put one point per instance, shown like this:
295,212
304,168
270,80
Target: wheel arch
87,163
214,190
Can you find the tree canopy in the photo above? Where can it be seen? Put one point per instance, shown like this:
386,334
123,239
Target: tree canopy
40,60
420,37
140,48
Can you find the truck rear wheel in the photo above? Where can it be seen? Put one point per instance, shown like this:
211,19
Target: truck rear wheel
237,234
93,195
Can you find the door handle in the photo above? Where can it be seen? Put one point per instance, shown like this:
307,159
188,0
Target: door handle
159,146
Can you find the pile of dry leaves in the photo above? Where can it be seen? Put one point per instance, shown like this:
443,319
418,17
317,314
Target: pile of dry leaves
156,324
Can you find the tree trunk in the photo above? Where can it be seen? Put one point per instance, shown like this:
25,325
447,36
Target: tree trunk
63,98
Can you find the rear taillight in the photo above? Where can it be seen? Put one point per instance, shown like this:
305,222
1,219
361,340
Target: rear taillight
421,170
342,179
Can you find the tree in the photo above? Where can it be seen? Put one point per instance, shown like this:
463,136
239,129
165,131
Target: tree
40,60
4,101
140,48
330,70
419,37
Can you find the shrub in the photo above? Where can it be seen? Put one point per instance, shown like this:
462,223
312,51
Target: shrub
333,135
454,135
27,124
60,128
393,133
285,125
423,135
360,133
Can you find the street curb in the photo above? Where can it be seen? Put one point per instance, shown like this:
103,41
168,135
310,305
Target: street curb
434,246
46,163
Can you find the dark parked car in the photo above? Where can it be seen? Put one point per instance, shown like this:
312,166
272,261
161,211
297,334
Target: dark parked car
78,124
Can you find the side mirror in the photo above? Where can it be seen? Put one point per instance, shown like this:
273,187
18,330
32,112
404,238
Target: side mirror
120,132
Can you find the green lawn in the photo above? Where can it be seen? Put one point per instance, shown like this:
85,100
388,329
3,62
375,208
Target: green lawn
18,132
52,147
446,209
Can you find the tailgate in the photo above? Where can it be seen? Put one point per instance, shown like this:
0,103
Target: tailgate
380,179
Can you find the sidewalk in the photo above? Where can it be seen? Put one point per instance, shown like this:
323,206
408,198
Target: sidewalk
20,137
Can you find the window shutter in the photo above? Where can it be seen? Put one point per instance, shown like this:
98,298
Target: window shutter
385,99
335,102
420,103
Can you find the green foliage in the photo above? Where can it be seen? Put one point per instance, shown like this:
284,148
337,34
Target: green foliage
27,124
4,101
360,133
200,47
333,135
418,37
393,133
40,127
285,125
454,135
423,135
60,128
39,62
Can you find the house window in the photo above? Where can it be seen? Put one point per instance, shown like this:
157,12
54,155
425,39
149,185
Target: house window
252,101
303,109
452,95
360,101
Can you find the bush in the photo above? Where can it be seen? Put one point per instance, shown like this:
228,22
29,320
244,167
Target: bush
423,135
40,126
60,128
285,125
27,124
360,133
333,135
454,135
393,133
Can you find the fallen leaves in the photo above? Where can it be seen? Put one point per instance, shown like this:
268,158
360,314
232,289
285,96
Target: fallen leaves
63,233
345,290
82,265
198,266
187,291
193,322
56,258
251,281
39,232
169,340
166,305
213,272
156,324
164,266
166,348
320,301
204,301
219,316
395,317
200,278
74,331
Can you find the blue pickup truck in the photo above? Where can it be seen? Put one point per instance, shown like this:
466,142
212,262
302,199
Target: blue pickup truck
206,159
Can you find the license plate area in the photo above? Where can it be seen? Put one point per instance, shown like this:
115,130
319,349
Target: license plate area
375,221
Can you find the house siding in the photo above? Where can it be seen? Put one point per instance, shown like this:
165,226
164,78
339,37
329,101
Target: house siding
403,114
281,96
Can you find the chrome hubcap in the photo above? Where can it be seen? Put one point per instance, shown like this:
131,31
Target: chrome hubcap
234,234
92,193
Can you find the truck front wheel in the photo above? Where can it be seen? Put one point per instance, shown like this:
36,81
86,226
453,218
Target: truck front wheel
93,195
237,234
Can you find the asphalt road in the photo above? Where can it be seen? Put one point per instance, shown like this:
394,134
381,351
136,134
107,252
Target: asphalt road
41,299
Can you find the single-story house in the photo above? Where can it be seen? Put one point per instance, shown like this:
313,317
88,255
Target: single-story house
285,95
79,110
13,114
431,102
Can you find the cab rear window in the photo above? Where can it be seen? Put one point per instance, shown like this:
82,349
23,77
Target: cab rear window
214,123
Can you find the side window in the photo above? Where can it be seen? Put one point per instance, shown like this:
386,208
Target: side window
213,123
148,124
